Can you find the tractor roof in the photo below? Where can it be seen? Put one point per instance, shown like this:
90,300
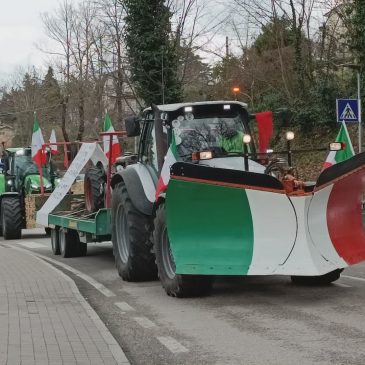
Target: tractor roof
14,149
173,107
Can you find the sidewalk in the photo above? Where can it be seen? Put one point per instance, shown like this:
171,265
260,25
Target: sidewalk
45,320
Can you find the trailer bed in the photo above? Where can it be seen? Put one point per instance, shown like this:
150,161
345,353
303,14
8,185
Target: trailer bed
94,226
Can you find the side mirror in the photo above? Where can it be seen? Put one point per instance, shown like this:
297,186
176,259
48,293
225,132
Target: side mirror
132,126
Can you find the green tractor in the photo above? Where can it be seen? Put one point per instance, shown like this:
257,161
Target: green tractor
20,190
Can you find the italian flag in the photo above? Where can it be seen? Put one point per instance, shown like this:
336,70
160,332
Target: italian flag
339,156
108,127
170,159
52,139
37,142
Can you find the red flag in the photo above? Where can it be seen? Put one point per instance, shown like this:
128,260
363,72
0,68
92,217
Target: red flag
265,125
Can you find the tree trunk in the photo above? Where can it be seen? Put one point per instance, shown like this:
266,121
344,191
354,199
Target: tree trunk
63,119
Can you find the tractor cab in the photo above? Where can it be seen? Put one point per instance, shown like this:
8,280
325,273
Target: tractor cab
205,133
22,174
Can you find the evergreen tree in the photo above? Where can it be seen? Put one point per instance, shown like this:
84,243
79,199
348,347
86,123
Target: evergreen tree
52,98
153,51
358,34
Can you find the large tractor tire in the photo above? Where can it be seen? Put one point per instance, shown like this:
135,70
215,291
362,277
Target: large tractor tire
70,245
131,232
94,186
11,218
321,280
175,285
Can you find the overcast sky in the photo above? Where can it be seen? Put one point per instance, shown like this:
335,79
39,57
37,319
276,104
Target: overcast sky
20,29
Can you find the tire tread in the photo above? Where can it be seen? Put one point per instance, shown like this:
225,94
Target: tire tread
12,218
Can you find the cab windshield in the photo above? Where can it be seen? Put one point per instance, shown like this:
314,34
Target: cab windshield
24,165
196,132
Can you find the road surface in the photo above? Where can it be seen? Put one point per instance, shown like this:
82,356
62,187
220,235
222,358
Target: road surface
251,320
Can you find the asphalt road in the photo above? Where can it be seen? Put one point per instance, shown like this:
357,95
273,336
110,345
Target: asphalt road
251,320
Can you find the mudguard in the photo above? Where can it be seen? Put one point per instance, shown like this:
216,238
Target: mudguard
225,222
140,186
2,183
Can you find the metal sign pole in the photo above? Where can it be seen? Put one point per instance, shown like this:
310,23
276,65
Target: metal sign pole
359,108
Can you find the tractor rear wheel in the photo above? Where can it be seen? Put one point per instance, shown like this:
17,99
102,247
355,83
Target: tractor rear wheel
69,243
94,189
11,218
321,280
131,231
175,285
55,241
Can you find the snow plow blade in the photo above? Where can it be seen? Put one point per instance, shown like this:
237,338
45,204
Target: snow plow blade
229,222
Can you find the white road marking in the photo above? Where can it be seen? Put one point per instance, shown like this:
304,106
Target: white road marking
353,278
124,307
342,285
172,345
98,286
144,322
31,244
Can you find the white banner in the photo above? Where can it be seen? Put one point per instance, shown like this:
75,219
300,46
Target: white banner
88,151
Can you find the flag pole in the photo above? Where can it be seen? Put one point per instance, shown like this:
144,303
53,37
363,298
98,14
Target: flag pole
41,173
359,108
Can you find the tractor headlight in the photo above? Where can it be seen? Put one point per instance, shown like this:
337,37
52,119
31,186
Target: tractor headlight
10,182
20,152
289,135
48,186
34,186
337,146
246,139
203,155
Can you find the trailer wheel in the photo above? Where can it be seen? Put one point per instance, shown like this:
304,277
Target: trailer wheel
69,243
82,249
11,218
175,285
131,231
321,280
94,189
55,241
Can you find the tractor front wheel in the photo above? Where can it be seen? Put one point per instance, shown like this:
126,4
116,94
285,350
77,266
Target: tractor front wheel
131,231
175,285
321,280
11,218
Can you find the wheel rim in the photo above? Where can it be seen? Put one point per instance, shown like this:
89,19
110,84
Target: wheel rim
62,241
53,245
167,257
122,233
54,240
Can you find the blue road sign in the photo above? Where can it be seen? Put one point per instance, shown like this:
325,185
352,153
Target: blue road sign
347,110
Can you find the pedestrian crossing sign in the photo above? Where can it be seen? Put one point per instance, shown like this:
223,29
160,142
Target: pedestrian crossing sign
347,110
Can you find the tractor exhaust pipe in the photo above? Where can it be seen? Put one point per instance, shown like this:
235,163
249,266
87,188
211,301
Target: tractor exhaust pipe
161,145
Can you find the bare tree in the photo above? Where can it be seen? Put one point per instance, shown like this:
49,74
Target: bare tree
58,27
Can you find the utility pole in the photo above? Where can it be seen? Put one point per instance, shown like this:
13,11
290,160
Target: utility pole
359,106
162,79
356,67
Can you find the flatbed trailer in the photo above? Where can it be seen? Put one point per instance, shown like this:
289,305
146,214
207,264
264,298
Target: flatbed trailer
72,231
73,223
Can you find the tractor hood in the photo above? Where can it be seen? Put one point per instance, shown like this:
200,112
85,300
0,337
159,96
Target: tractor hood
32,184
